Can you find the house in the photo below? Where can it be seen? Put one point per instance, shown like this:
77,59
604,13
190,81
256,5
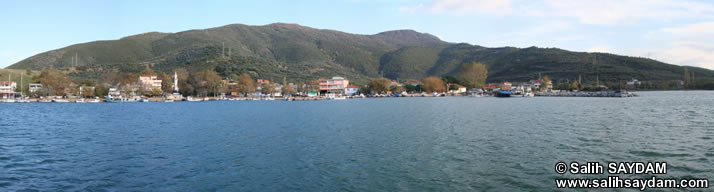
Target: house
412,82
459,88
34,87
490,86
334,85
351,90
149,82
536,84
113,93
7,89
632,84
261,81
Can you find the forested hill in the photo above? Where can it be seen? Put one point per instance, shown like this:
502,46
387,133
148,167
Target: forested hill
299,53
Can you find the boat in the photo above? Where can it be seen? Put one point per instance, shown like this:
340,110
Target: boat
168,101
528,93
192,99
337,98
120,100
95,100
60,101
503,93
144,100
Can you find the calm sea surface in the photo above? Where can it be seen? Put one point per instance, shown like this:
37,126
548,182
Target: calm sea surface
388,144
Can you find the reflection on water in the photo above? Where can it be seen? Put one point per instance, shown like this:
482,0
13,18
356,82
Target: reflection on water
441,144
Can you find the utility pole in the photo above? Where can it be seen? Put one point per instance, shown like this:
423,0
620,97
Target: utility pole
223,50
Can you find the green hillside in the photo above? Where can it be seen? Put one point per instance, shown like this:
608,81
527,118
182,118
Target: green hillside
302,53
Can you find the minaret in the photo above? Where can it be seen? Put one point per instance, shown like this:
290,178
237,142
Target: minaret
176,89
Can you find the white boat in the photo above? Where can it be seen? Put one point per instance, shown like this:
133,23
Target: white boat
8,100
168,101
336,98
60,101
528,94
144,100
94,101
192,99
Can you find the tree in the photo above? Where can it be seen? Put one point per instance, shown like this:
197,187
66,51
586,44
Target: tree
126,78
100,90
453,87
166,82
396,89
246,85
155,92
56,82
268,88
544,82
433,84
148,72
88,92
314,86
687,78
287,90
473,75
410,88
380,85
205,82
184,86
574,85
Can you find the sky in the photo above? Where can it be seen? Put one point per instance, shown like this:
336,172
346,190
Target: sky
679,32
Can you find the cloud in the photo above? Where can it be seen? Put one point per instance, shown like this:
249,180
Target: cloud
602,12
492,7
690,44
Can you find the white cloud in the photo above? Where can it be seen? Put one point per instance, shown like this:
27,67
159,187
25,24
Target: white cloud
691,44
493,7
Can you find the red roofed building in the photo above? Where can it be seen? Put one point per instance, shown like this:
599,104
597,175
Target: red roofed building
351,90
7,88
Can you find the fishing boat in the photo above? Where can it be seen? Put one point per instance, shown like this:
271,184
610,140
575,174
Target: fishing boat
503,93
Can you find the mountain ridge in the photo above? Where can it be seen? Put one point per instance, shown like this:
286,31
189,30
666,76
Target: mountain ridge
299,52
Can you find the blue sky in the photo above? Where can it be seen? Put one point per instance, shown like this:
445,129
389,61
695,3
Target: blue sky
674,31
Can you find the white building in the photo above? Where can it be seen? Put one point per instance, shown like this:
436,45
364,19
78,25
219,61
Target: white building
7,88
351,90
34,87
149,82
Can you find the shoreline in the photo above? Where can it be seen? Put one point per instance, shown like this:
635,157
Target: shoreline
611,94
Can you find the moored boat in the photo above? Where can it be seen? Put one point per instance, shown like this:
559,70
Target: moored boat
503,93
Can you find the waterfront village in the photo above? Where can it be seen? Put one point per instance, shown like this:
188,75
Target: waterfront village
150,88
